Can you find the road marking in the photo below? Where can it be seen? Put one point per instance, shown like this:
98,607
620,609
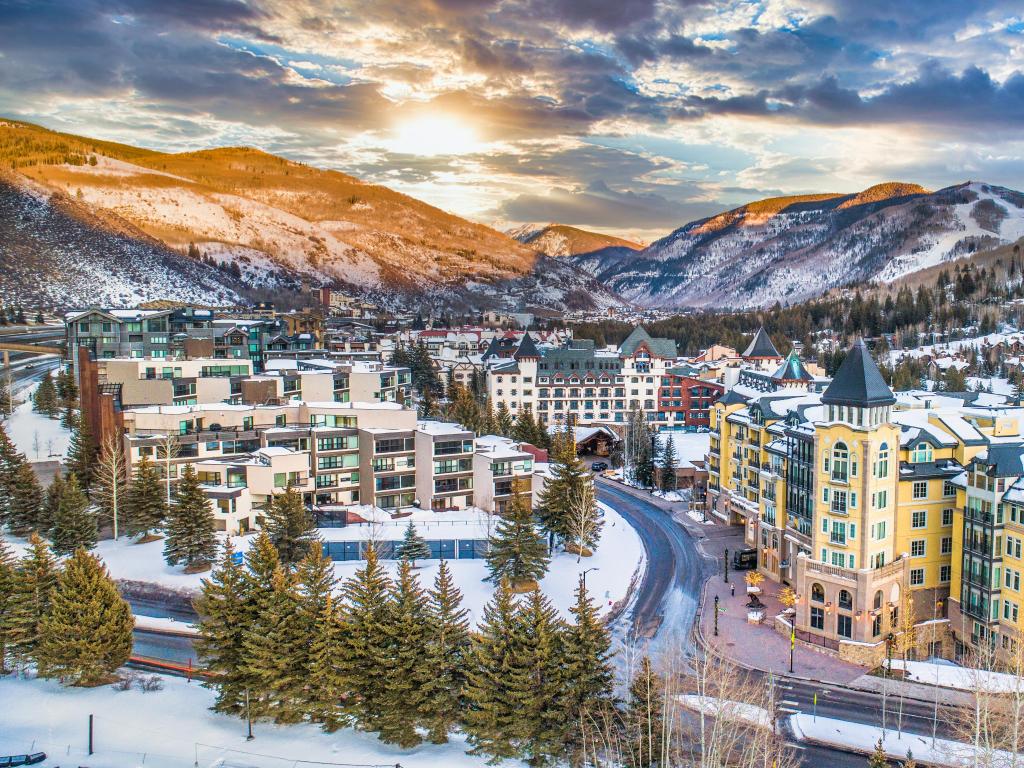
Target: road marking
794,745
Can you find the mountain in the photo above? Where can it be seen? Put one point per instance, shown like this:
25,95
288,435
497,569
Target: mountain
792,248
275,223
560,240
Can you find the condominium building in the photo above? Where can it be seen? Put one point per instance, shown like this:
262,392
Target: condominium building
856,498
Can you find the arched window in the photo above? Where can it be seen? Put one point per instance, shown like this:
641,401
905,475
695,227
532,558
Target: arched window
882,464
922,453
817,593
845,599
878,600
840,462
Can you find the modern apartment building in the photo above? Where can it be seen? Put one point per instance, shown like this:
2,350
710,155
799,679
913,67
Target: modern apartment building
858,498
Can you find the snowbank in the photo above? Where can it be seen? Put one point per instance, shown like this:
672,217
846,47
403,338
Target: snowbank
731,710
171,626
39,437
960,678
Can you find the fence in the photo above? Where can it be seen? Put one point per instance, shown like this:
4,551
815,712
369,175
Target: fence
448,549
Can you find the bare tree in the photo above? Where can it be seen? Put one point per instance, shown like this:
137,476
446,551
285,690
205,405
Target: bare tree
166,450
111,479
584,520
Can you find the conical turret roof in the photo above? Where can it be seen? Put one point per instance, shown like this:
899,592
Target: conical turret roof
858,382
761,346
526,348
792,369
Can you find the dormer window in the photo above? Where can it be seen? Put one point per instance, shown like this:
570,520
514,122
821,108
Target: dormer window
921,454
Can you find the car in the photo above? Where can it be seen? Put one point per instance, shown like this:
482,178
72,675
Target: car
599,466
744,559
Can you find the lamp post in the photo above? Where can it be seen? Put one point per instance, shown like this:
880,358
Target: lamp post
792,644
716,615
726,563
583,575
248,716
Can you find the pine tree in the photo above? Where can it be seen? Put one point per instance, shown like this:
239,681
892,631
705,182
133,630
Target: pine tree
365,618
51,503
447,651
44,399
274,654
6,404
190,540
290,526
35,577
223,622
878,758
8,462
413,547
498,682
668,466
82,453
503,419
24,496
644,720
588,670
74,524
557,505
524,430
325,687
517,551
542,652
87,632
7,582
405,682
145,502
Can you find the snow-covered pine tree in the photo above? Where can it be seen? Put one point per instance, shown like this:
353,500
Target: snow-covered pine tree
503,419
191,540
7,566
24,497
407,671
87,632
667,466
74,524
275,655
35,577
222,625
588,671
290,526
413,547
544,708
447,651
498,682
644,720
82,453
517,550
364,660
145,502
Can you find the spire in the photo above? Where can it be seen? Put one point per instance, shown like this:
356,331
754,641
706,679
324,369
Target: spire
792,369
858,381
492,349
761,346
526,348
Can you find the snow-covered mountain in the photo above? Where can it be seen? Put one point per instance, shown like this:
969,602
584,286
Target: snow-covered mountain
561,240
276,224
793,248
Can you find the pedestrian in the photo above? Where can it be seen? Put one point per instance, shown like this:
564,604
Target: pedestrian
732,588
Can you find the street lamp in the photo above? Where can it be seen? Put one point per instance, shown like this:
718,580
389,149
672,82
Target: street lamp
716,615
726,562
583,575
248,716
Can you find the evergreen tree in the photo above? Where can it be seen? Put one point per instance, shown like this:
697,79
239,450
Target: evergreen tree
87,632
588,670
261,563
44,399
542,653
23,495
405,682
488,421
82,453
6,404
413,547
290,526
74,524
644,720
558,501
35,577
146,501
878,758
51,503
498,682
447,651
9,459
190,540
223,621
503,419
325,687
275,661
7,582
668,466
364,662
524,430
517,550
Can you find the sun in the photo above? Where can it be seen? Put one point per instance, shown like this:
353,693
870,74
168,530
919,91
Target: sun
431,135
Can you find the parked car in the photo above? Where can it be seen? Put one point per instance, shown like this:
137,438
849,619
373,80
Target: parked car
13,760
599,466
744,559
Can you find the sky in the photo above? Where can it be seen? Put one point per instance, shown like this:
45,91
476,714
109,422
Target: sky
631,117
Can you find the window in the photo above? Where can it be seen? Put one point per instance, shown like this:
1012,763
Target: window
948,489
876,626
921,453
919,519
947,517
817,593
817,618
839,502
881,499
947,545
917,548
844,625
916,577
945,573
882,464
845,599
876,603
921,489
840,463
878,530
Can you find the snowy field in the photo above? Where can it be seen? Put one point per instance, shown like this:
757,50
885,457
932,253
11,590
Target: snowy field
39,437
618,555
173,728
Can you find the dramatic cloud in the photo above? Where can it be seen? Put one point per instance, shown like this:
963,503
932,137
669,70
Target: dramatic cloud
632,116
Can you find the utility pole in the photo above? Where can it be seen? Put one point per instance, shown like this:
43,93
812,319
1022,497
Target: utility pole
726,563
90,734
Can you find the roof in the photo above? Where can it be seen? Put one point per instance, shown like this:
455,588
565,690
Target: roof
761,346
492,348
858,381
792,369
639,337
1006,459
526,348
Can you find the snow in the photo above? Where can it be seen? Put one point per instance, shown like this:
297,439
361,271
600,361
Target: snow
732,710
174,727
859,737
698,517
156,624
690,447
999,386
39,437
960,678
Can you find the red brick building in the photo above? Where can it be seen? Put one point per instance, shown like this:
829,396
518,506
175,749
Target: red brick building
685,401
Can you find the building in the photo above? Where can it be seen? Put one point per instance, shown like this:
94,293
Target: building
878,509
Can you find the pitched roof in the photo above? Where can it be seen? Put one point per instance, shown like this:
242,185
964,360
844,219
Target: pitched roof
761,346
858,381
492,348
792,369
526,348
665,348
